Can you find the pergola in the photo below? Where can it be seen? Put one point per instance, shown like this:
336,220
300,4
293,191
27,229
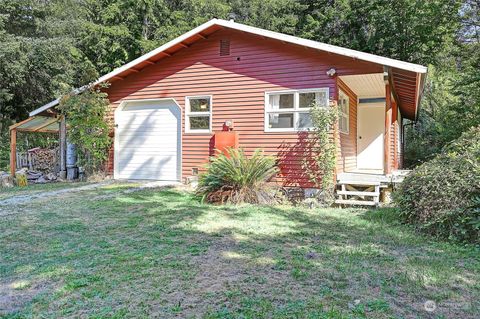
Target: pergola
47,122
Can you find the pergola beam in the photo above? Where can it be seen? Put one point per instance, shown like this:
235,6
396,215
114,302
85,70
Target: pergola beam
31,130
14,126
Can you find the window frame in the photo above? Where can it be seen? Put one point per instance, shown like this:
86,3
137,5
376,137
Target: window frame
296,110
189,113
340,113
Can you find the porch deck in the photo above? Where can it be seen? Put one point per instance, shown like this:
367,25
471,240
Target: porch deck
363,188
393,178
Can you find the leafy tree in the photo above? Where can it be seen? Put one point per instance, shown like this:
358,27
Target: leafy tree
409,30
275,15
451,100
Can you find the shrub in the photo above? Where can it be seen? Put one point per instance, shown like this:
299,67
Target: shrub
321,170
442,197
235,178
88,129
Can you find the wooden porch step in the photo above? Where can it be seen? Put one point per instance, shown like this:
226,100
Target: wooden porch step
358,183
357,193
355,202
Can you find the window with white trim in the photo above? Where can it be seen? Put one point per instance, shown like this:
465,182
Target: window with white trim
290,110
198,114
343,112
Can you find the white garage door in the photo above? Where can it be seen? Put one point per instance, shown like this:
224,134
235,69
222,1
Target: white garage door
147,140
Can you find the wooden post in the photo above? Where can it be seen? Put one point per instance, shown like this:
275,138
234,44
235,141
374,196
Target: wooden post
63,148
386,147
13,152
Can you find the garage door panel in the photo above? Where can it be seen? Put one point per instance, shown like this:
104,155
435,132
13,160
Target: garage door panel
146,159
165,139
141,147
134,149
151,124
146,119
150,131
136,144
150,168
148,140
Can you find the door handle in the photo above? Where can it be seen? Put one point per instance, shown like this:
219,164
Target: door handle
359,137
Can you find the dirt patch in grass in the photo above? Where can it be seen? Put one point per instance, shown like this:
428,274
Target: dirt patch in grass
16,294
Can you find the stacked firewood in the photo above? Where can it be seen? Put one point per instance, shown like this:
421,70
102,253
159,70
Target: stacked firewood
44,160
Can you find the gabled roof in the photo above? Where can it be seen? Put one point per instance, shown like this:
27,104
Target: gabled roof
204,30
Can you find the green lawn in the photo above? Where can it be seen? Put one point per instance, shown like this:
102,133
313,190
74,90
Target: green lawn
36,188
110,253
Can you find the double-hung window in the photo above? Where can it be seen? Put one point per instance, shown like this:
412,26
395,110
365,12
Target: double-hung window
198,114
343,112
290,110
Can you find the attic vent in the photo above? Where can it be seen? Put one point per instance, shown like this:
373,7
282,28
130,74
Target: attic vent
224,47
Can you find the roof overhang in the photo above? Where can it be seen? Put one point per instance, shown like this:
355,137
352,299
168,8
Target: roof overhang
38,124
206,29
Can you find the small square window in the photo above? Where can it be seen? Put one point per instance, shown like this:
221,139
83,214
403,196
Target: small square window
199,122
280,120
304,121
281,101
307,100
200,105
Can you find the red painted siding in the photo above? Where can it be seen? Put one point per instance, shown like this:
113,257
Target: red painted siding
238,83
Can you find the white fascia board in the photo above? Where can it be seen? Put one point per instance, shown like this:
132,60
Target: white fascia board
44,107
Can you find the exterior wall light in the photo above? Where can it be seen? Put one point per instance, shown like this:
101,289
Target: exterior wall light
331,72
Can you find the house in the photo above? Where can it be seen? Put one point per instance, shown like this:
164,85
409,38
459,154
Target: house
168,104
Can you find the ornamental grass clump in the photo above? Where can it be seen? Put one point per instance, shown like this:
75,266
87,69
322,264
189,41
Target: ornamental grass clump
235,178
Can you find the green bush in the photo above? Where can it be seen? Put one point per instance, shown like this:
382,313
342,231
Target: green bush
235,178
442,196
88,129
4,151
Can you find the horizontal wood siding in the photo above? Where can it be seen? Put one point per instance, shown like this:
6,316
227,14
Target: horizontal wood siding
347,157
237,84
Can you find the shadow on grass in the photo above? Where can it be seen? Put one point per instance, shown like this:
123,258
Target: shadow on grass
163,252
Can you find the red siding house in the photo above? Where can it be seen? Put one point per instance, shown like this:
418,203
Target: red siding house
169,104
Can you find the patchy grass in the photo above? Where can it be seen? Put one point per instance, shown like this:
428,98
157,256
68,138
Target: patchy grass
111,253
36,188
